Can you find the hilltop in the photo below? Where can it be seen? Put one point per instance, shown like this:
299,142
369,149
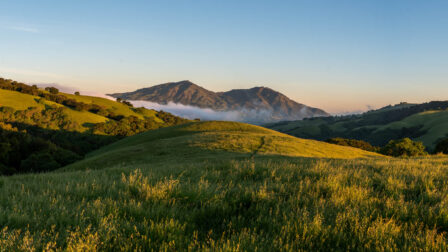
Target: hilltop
273,105
195,141
427,122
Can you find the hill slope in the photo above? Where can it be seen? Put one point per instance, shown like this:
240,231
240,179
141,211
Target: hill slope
273,105
207,139
423,122
41,130
158,191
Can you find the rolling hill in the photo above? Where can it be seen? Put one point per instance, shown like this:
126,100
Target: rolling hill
41,130
272,105
212,186
422,122
204,139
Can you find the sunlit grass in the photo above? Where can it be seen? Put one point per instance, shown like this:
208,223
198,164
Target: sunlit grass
203,186
21,101
264,203
202,139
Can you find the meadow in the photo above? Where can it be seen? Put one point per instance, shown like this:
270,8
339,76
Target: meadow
198,197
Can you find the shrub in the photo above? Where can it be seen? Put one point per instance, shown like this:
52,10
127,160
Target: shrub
353,143
6,170
442,146
404,148
52,90
39,162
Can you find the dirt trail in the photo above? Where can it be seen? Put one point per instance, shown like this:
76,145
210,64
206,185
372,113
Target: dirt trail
258,148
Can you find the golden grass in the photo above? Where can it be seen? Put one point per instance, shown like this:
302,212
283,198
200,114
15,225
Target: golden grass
116,107
212,139
21,101
231,203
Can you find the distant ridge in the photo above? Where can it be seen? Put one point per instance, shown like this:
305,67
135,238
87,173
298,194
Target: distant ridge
268,104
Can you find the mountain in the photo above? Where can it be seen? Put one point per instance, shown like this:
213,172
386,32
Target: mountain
258,104
426,122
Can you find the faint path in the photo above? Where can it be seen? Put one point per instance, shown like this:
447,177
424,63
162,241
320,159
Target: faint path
258,148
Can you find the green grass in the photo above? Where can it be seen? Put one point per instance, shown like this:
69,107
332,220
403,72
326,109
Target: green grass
202,139
118,108
21,101
434,122
231,203
215,186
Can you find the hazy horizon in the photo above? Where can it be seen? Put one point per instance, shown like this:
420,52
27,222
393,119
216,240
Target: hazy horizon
340,56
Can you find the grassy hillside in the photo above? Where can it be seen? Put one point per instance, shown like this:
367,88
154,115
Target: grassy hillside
203,186
377,127
116,107
21,101
41,130
204,139
434,123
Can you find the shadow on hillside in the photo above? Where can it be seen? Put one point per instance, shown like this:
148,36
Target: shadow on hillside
164,158
78,142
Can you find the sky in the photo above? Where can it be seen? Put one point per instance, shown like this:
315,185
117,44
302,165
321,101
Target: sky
338,55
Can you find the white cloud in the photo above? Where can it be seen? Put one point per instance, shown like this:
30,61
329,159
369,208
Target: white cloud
24,29
190,112
255,116
29,72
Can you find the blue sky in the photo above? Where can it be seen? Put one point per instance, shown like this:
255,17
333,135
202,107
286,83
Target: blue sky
337,55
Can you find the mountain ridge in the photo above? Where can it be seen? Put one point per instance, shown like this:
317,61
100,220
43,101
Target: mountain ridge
259,98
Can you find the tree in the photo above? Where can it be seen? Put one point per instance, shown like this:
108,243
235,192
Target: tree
404,148
6,170
39,162
442,146
77,93
127,103
52,90
353,143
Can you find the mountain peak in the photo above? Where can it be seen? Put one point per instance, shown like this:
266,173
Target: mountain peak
268,104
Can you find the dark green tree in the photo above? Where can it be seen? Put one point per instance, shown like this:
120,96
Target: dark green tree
52,90
39,162
404,148
442,146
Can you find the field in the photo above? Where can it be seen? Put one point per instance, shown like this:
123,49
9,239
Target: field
234,197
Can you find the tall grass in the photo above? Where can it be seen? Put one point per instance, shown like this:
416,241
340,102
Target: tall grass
260,203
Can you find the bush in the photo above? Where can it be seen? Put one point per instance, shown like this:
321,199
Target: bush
353,143
442,146
39,162
65,157
404,148
6,170
52,90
